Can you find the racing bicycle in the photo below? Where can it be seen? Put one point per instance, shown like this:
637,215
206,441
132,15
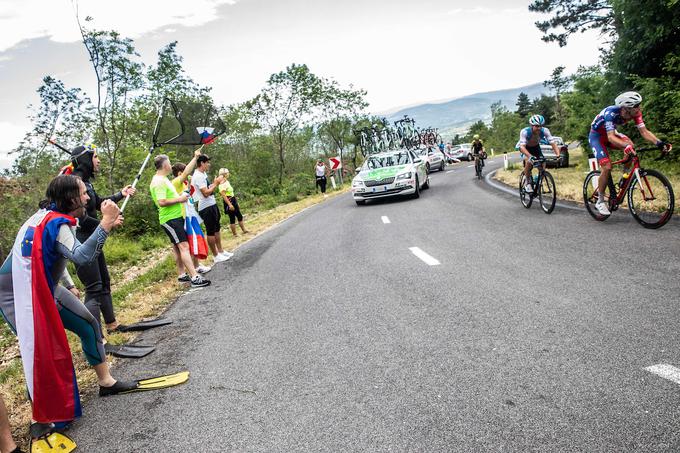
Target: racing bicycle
650,195
543,187
479,164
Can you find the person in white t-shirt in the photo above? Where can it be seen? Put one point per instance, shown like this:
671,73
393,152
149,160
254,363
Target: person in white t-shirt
321,172
207,207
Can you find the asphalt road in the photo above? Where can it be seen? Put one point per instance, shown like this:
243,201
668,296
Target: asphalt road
329,333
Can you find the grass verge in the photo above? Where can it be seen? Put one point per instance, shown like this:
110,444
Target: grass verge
144,284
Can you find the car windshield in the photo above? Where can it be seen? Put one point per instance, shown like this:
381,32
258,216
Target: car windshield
389,160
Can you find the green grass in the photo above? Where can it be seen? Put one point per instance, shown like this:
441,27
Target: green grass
122,250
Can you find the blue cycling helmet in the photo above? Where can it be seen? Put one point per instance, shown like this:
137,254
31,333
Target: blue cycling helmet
537,120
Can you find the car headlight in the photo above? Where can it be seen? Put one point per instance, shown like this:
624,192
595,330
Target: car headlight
406,175
357,183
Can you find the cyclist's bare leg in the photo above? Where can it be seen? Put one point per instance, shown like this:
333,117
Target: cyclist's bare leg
602,181
527,168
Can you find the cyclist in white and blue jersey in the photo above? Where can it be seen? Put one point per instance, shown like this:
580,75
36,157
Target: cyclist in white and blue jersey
530,145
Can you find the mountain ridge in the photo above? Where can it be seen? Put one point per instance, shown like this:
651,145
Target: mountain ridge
457,114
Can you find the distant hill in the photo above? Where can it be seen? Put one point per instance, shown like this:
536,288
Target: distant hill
457,115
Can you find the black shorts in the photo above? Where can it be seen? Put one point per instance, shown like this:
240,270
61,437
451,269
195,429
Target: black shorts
211,217
175,230
235,214
535,150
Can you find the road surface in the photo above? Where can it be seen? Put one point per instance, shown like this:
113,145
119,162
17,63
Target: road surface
459,321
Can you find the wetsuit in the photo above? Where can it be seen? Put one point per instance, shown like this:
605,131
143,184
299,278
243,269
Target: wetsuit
75,317
95,276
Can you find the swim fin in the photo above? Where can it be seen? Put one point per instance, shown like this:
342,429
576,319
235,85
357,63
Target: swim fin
142,325
53,443
128,351
160,382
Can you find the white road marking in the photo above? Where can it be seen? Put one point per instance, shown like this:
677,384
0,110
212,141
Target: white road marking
449,171
385,219
424,256
470,166
665,371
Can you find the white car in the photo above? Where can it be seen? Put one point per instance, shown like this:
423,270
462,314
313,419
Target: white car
462,152
434,159
388,174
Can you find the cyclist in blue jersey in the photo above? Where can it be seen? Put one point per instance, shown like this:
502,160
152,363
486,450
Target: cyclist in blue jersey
603,134
530,145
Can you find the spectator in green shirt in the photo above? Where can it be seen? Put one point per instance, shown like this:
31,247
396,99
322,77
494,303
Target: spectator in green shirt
171,218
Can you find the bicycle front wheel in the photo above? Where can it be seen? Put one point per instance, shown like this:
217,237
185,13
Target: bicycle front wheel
547,195
524,197
590,195
650,199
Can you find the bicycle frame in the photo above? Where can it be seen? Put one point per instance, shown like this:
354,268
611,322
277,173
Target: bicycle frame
643,184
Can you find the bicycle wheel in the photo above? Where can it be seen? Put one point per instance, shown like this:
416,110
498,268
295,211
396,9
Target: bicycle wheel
652,202
524,197
590,195
478,168
547,195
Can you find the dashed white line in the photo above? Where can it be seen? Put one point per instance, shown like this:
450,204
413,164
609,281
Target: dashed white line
470,166
665,371
449,171
427,259
385,219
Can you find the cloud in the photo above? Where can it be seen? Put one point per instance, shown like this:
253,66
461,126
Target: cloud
132,18
11,136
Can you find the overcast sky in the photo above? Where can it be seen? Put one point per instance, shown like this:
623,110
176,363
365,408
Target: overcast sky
401,52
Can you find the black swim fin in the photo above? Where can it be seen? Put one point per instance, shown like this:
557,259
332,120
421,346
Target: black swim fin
128,351
142,325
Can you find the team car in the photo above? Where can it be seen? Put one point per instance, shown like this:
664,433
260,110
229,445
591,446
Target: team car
389,174
434,159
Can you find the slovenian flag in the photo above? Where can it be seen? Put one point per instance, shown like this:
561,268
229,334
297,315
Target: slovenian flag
198,247
46,356
207,134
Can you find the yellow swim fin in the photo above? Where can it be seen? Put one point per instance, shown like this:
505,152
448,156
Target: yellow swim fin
161,382
53,443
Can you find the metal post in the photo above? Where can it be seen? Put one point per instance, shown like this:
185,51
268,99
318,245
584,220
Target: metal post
341,165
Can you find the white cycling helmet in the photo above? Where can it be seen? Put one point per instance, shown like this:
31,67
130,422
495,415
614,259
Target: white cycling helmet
537,120
628,99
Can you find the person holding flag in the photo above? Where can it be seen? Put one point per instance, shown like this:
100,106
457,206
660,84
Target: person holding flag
171,216
38,310
198,246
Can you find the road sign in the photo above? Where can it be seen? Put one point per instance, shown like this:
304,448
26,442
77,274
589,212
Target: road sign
335,163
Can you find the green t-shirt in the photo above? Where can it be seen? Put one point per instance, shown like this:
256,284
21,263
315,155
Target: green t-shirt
162,189
226,189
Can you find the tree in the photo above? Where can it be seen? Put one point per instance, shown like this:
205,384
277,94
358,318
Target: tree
571,16
64,114
558,84
340,108
504,130
289,99
168,78
523,105
119,76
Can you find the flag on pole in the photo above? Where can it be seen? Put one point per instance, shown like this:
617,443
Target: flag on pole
45,353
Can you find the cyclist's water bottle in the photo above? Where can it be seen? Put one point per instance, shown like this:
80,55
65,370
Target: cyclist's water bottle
535,179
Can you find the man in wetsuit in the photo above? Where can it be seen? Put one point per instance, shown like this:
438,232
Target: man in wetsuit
530,145
603,134
95,277
66,200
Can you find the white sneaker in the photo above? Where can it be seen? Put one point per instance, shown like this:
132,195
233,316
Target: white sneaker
226,254
220,258
602,208
528,188
201,269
